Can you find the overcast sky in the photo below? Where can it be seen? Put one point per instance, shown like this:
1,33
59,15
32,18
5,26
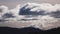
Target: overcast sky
13,3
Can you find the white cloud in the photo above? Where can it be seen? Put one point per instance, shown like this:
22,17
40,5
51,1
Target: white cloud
43,22
15,11
3,10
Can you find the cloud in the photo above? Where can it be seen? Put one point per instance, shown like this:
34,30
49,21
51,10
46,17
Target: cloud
15,11
6,13
48,14
43,16
45,22
3,10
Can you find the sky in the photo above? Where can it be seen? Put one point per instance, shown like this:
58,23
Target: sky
47,15
14,3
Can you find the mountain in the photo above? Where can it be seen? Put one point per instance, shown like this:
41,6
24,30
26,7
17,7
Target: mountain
28,30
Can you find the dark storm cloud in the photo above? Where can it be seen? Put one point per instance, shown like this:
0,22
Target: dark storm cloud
55,14
45,11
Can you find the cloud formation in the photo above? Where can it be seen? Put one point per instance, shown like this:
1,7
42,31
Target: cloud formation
3,10
43,16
